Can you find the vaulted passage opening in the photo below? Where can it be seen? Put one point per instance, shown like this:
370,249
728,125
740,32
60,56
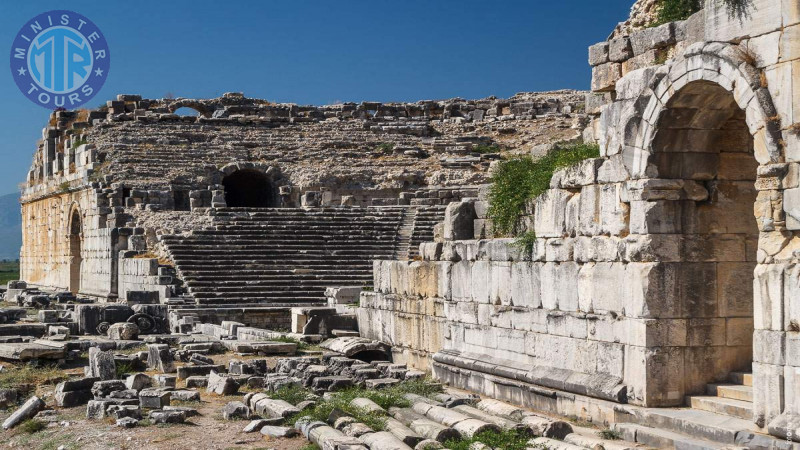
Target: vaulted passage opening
75,259
702,138
249,189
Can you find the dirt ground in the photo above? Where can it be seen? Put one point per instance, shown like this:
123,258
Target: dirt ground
70,430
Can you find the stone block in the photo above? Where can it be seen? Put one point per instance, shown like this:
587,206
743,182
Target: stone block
619,49
706,332
614,214
598,53
769,347
761,17
658,332
159,358
481,281
459,220
768,297
655,376
739,331
589,220
605,76
634,83
735,289
101,364
660,216
652,38
550,209
525,286
154,398
768,392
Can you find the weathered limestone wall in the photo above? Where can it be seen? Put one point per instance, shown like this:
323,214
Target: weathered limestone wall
668,261
761,74
142,274
46,256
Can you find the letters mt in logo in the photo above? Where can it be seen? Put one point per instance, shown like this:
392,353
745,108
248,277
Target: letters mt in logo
60,59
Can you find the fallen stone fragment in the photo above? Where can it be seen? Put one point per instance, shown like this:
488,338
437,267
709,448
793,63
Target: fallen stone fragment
221,384
464,424
101,364
278,432
197,382
255,425
424,426
235,410
384,441
429,444
153,398
405,434
102,389
380,383
127,422
120,411
367,405
123,331
274,408
189,371
165,381
185,395
29,409
165,416
138,381
159,358
8,397
544,442
190,412
331,384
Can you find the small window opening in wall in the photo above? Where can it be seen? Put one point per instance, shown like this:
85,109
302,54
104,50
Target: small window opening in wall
126,192
181,199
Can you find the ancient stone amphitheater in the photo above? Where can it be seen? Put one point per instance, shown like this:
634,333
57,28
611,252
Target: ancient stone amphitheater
661,296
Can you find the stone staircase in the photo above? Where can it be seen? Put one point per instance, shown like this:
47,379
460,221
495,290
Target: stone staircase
424,221
721,419
286,256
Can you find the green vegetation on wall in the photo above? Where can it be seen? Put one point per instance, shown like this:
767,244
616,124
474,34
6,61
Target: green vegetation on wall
674,10
517,181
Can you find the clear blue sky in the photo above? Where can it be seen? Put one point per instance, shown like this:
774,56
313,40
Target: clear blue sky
318,52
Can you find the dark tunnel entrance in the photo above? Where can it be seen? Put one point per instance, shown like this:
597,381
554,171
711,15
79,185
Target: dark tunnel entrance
248,188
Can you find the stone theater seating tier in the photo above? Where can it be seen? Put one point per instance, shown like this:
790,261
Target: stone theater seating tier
286,256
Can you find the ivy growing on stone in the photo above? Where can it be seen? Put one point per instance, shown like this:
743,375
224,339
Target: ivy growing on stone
517,181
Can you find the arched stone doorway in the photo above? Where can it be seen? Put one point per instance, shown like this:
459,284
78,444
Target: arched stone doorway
75,245
249,188
702,142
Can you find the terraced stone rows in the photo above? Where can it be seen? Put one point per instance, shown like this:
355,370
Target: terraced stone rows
291,255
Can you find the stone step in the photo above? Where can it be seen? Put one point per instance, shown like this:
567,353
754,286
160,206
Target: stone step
731,391
724,406
657,438
695,423
743,378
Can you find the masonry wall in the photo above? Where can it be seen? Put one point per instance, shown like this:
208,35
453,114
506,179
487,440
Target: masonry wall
645,256
45,254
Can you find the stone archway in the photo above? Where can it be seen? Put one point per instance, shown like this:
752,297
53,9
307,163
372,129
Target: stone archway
715,76
249,188
75,247
702,143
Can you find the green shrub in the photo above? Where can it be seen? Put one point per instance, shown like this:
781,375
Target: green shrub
507,440
386,398
526,241
31,426
385,147
123,369
292,393
519,180
609,434
672,10
483,148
